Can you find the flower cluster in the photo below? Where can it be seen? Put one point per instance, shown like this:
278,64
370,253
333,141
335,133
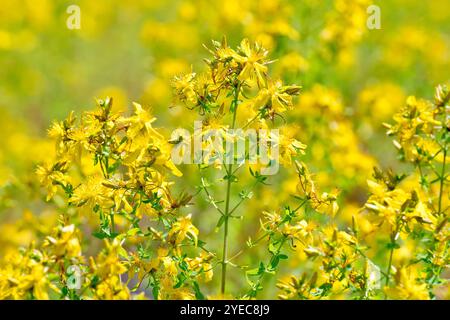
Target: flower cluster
113,170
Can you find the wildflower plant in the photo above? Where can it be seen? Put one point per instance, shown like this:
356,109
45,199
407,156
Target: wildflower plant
236,91
113,170
419,211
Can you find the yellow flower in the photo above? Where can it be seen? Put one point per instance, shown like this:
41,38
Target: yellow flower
108,262
52,175
91,193
183,228
111,288
276,97
184,88
408,286
65,242
253,61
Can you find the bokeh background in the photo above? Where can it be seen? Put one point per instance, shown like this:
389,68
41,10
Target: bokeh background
353,79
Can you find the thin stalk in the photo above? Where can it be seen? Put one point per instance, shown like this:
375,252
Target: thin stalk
442,179
388,271
391,255
254,291
225,236
227,203
113,225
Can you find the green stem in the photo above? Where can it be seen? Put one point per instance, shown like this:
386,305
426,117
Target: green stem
388,271
227,203
253,293
225,236
442,179
113,225
391,255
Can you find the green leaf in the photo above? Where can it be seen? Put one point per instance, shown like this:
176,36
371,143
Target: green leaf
181,279
100,235
392,245
275,262
220,222
198,294
253,272
231,177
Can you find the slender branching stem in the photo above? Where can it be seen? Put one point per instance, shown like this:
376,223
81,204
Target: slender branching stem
226,215
442,179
